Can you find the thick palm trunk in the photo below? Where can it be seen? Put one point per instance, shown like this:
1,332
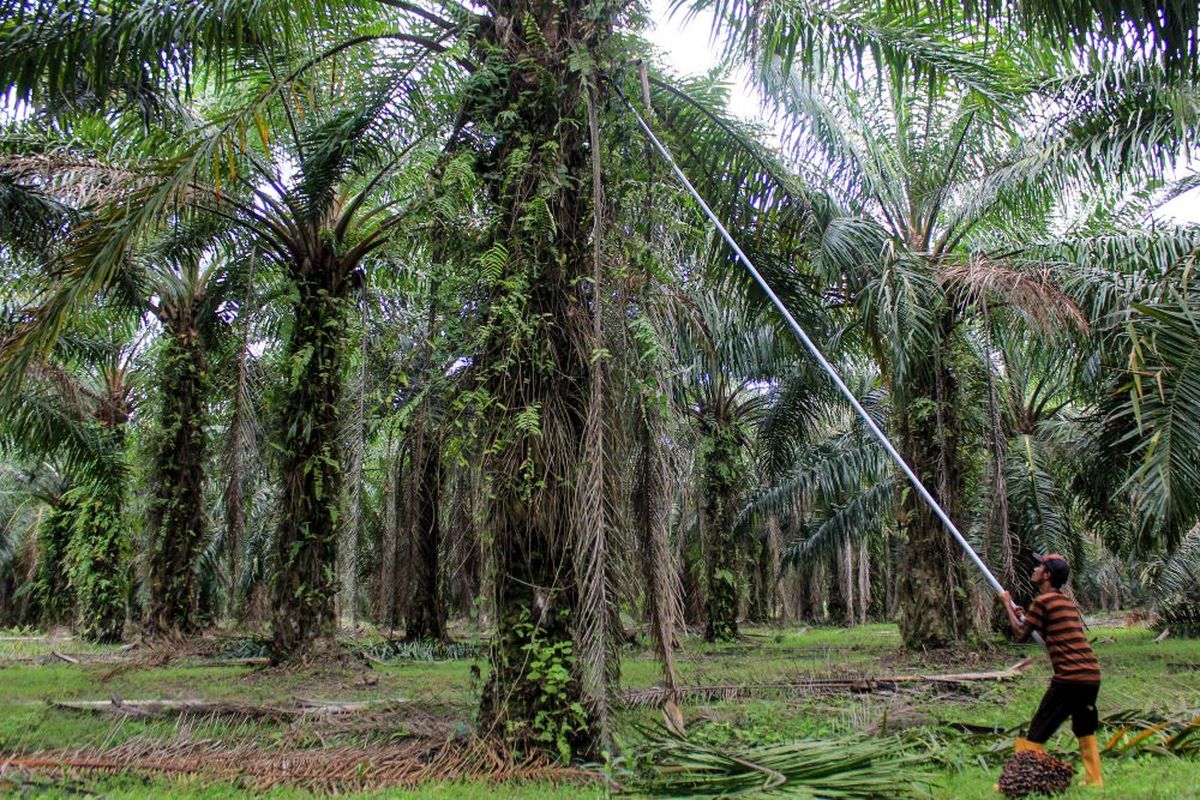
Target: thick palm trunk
99,546
177,516
426,609
51,588
934,590
720,547
305,583
537,367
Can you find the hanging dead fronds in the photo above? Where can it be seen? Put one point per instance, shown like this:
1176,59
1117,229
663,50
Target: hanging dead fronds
1043,304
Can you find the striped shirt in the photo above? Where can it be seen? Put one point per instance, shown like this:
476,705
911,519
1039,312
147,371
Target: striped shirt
1057,619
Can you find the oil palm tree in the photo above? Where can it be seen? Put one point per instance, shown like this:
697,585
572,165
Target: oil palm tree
185,288
74,407
726,364
181,280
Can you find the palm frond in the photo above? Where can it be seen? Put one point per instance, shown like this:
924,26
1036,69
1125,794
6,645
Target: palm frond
83,52
850,521
29,219
840,39
1156,420
1128,27
847,769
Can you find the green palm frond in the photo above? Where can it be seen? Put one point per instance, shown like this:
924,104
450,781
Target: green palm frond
794,410
825,474
38,421
1038,506
1129,27
1179,573
902,303
746,185
359,136
29,219
842,38
868,768
1155,421
82,52
852,520
1092,131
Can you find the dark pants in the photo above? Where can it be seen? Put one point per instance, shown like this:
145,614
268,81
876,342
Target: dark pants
1062,700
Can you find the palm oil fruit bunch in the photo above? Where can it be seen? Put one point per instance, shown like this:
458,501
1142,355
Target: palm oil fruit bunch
1035,773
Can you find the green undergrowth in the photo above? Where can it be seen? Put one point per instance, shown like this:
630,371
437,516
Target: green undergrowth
1158,677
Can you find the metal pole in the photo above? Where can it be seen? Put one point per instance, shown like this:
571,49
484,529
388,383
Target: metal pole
820,357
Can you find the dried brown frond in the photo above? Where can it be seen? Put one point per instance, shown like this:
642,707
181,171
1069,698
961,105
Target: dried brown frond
324,769
75,180
1034,295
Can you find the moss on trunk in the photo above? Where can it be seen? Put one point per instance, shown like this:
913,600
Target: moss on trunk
305,581
177,519
98,551
52,591
721,552
534,367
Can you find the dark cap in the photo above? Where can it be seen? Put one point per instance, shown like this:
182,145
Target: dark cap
1056,565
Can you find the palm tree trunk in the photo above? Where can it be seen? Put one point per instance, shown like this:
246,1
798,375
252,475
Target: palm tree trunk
51,587
846,580
177,518
99,545
426,618
864,582
306,544
537,365
386,549
934,611
352,528
720,547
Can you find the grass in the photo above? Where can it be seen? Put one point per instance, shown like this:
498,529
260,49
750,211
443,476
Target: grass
440,698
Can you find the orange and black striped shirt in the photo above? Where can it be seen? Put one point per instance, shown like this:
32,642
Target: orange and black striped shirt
1057,619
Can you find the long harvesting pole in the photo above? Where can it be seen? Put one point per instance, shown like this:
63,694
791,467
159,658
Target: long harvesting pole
816,353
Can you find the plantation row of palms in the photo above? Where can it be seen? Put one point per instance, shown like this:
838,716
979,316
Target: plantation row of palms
388,311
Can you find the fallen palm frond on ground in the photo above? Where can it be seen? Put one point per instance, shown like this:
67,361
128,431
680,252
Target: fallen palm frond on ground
205,708
852,769
248,648
1124,732
1139,731
835,685
332,769
421,651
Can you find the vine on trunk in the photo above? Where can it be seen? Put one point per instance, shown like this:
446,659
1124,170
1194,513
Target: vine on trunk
177,517
311,468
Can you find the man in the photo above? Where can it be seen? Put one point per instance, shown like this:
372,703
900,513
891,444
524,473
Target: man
1076,682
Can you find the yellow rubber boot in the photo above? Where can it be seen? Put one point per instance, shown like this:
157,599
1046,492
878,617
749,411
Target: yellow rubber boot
1089,749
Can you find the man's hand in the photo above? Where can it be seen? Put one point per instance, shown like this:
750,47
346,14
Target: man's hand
1016,610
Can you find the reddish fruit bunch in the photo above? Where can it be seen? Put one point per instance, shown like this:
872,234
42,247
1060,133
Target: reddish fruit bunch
1035,773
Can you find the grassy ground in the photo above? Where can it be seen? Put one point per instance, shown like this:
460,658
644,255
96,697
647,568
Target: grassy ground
434,701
